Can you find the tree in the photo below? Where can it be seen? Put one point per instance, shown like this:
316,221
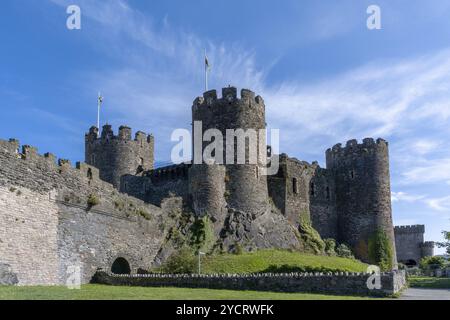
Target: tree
344,251
446,243
432,263
182,261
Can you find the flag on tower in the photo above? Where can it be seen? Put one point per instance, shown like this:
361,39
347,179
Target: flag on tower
99,104
207,65
207,68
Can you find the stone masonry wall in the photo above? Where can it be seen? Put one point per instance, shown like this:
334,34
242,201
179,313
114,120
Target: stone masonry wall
156,185
306,190
408,243
47,223
338,284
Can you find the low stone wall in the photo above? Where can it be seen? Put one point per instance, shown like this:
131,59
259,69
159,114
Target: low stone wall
331,283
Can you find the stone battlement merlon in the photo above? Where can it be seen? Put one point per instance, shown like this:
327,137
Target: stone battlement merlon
125,134
172,172
60,165
10,146
428,244
284,158
229,94
410,229
352,145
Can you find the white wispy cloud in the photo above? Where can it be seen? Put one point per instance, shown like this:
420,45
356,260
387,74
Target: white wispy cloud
440,204
431,172
403,196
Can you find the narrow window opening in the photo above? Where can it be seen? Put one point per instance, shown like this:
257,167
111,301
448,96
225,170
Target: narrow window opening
295,186
312,190
89,174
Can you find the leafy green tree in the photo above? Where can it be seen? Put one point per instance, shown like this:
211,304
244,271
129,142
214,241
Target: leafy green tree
344,251
432,263
330,247
182,261
446,243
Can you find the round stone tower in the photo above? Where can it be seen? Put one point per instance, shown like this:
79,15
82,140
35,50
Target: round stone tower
363,193
119,155
238,180
428,249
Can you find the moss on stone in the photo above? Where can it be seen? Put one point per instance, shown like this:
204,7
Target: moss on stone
310,237
380,250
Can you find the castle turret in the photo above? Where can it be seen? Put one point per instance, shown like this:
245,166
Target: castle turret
241,184
118,155
363,196
428,249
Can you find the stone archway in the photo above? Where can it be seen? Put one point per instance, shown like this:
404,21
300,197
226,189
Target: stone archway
121,266
410,263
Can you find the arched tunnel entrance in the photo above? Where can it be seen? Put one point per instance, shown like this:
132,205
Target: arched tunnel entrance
120,266
410,263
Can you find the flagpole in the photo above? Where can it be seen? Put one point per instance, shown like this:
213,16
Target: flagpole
98,112
206,72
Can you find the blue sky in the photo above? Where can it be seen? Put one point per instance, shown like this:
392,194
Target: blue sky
324,76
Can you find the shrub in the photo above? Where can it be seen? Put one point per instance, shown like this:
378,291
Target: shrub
182,261
176,237
344,252
380,250
238,249
202,234
432,263
330,247
144,214
311,238
92,201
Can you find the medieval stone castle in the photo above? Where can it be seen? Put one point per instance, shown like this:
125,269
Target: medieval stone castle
117,212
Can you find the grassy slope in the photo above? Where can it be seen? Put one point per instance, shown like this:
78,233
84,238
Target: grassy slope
429,282
263,259
100,292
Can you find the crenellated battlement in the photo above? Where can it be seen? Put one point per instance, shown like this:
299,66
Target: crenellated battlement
284,158
409,229
48,161
173,172
428,244
352,146
124,134
229,96
10,146
118,155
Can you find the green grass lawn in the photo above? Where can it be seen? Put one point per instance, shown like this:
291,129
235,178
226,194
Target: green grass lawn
429,282
262,260
101,292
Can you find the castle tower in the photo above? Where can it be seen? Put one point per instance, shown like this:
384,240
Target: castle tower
241,186
428,249
363,193
118,155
